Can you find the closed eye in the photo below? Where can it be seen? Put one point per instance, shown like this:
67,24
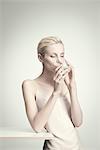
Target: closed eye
55,56
52,56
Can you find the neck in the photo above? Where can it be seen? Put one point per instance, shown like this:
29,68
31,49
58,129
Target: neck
47,76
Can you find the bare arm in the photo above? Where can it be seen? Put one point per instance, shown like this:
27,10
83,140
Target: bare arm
76,112
45,112
37,119
75,109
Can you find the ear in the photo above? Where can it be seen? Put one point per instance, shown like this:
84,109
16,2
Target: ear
40,57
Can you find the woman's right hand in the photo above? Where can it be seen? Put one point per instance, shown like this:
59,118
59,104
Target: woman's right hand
60,73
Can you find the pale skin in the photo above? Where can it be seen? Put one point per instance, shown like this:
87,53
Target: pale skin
53,78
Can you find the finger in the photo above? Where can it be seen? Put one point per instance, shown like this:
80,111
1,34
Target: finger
64,71
58,72
61,75
57,77
61,72
67,70
58,68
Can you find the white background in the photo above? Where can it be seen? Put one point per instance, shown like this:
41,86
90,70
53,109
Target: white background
23,24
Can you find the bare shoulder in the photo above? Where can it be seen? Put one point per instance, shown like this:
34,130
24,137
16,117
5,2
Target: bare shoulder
29,84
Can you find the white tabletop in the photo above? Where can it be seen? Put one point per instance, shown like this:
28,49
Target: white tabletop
12,132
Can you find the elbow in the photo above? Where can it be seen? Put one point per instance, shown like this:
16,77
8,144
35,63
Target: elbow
79,123
37,126
36,129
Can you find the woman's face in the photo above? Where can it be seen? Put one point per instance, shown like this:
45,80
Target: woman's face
54,56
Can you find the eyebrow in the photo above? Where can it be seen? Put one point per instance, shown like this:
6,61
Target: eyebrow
56,53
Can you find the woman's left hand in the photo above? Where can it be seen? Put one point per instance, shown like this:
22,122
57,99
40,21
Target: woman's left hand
70,75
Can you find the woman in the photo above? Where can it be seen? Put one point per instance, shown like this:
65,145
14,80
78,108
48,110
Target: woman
51,99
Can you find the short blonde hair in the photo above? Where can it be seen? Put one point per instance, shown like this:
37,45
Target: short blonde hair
47,41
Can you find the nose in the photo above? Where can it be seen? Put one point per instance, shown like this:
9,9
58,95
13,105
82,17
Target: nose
59,60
